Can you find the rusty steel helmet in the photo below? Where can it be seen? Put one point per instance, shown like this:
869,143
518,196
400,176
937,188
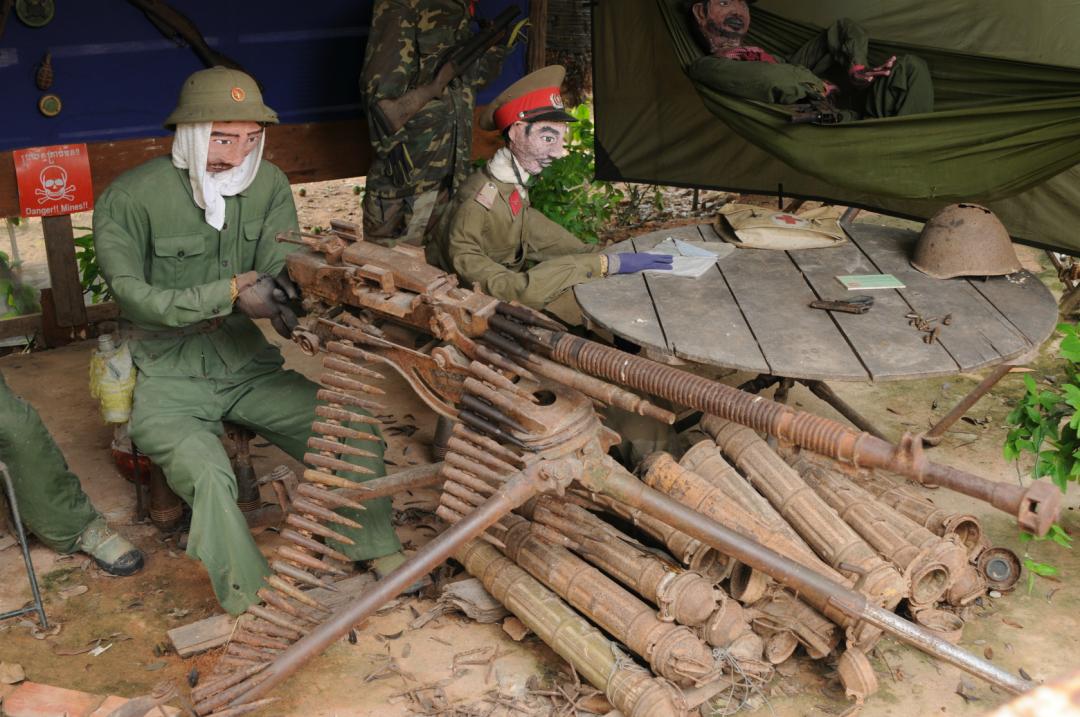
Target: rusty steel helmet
965,240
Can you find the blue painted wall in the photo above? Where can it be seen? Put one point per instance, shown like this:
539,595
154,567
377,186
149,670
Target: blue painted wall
118,77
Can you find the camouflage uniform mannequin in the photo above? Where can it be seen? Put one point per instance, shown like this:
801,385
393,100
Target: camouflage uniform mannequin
833,64
199,359
51,501
408,40
495,241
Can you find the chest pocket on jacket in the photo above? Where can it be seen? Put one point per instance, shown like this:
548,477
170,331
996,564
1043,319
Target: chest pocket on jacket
178,263
250,245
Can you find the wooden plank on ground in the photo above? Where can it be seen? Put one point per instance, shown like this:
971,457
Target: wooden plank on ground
700,318
214,631
797,341
622,305
979,334
887,346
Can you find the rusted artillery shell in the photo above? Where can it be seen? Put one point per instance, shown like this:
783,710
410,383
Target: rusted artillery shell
812,518
946,625
685,597
780,646
727,623
673,651
1000,567
783,612
632,690
856,675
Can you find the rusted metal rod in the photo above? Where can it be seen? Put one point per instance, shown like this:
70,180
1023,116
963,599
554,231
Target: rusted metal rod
935,434
512,494
619,484
1036,506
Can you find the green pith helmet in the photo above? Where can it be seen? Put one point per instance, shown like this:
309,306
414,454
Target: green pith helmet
220,94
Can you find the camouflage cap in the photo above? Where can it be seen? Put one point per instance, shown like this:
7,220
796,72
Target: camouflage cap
533,98
220,94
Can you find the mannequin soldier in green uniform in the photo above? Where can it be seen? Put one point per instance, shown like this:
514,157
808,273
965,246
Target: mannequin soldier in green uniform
418,167
499,244
187,245
831,67
51,501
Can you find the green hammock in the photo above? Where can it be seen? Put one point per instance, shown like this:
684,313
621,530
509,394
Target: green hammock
1001,126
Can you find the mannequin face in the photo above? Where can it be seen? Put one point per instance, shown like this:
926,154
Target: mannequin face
535,145
231,143
723,23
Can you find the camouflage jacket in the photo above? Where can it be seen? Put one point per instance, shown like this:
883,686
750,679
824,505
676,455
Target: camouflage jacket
408,40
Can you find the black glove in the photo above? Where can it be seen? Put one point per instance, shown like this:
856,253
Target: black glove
286,288
258,301
284,321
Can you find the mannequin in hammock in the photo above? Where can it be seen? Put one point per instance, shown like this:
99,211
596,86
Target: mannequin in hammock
829,70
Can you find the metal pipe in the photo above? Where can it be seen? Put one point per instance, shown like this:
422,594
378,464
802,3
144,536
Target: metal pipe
619,484
512,494
935,434
1036,506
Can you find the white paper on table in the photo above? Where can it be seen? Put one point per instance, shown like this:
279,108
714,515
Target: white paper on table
690,259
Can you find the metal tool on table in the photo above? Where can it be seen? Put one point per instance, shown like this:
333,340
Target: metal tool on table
852,305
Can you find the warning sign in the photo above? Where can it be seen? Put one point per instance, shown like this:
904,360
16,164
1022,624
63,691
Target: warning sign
53,180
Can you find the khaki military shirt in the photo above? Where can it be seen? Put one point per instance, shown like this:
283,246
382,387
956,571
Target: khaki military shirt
167,268
500,245
409,39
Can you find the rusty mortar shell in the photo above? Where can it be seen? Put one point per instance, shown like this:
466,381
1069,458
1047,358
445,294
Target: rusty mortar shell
937,520
673,651
780,646
1035,506
928,578
706,460
632,690
1000,568
856,675
707,562
681,596
818,524
728,622
781,611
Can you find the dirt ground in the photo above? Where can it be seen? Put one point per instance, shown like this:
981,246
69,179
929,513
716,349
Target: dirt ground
1036,630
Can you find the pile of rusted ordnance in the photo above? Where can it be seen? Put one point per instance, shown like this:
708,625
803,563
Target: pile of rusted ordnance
663,590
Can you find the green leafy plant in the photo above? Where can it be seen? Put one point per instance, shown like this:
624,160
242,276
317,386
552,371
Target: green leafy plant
567,193
16,298
89,272
1034,567
1046,422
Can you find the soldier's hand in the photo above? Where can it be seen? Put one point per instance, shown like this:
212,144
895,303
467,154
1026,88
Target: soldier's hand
284,321
245,280
257,299
286,287
633,263
863,76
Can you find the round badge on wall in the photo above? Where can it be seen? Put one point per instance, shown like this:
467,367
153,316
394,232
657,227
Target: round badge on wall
49,105
35,13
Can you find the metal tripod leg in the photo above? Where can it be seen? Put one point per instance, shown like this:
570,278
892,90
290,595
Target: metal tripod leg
934,435
38,606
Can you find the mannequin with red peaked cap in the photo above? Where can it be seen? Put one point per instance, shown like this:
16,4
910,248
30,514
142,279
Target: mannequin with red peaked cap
499,244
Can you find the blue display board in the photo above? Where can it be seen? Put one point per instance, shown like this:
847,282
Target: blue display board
118,76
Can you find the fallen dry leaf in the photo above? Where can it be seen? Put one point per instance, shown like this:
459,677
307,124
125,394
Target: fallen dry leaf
73,591
1012,623
988,653
515,629
11,673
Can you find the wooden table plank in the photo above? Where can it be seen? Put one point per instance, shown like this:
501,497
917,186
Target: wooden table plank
700,318
1024,301
622,305
797,341
887,346
979,334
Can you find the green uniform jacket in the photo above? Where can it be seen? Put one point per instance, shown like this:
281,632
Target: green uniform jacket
408,40
526,258
168,268
828,56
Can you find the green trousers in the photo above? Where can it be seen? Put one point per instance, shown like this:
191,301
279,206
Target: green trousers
51,501
177,422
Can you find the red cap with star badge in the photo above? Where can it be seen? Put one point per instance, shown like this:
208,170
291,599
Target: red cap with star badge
534,98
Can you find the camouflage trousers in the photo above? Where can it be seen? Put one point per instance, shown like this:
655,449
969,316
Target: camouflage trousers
403,219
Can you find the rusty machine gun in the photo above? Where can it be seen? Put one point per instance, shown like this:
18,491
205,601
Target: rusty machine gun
528,451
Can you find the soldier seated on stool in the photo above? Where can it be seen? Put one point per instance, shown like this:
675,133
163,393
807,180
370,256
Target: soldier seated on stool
52,504
499,244
188,246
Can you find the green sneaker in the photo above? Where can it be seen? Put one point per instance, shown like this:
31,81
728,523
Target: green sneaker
112,552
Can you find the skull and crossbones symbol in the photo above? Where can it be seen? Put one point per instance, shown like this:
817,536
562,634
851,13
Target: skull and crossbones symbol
54,185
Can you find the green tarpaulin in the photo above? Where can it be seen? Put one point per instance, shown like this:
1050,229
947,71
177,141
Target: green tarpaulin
1007,82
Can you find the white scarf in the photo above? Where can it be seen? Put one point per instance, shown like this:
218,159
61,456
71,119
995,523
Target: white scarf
189,150
502,166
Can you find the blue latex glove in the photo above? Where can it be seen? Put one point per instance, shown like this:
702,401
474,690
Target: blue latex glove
633,263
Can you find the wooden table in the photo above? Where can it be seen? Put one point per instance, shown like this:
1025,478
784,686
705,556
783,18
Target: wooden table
751,312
